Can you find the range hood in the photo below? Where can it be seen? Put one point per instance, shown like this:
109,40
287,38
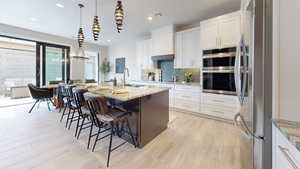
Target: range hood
163,57
163,43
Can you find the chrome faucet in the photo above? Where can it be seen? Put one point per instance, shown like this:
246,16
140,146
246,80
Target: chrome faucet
124,76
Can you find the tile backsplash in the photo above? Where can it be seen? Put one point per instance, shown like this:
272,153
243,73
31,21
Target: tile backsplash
167,69
195,71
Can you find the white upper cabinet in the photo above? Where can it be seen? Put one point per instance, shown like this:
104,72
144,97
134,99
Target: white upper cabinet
163,41
230,31
221,32
188,51
143,54
209,35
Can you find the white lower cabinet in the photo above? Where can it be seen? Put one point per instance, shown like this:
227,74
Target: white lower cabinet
223,106
186,97
285,154
190,98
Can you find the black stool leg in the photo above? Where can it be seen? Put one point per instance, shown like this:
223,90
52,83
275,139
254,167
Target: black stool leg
96,138
71,120
63,114
130,132
91,130
110,143
77,125
82,122
68,118
48,105
33,106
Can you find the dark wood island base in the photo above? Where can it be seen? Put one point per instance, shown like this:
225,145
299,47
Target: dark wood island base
150,116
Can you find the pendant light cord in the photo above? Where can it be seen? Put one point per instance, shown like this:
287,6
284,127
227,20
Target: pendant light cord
96,7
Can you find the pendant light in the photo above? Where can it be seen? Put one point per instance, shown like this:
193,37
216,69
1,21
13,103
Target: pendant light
80,31
96,25
119,15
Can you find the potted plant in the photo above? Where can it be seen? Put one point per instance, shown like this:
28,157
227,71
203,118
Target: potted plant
105,67
188,76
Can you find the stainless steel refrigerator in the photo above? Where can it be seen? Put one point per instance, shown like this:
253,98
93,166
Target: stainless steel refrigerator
253,80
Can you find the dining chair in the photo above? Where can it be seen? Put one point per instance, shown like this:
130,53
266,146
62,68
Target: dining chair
40,95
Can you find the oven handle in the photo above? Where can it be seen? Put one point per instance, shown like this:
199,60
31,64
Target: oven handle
237,69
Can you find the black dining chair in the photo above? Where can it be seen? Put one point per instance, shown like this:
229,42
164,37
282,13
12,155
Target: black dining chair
40,95
102,116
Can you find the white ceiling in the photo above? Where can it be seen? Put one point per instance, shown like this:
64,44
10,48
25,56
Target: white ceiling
65,21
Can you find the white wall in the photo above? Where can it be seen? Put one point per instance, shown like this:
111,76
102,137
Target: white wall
287,59
77,66
127,50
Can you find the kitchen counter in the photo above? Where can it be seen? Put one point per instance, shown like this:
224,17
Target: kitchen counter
127,93
171,83
289,129
149,107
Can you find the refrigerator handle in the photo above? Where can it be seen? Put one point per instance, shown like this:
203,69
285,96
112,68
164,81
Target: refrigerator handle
244,129
244,71
237,125
237,70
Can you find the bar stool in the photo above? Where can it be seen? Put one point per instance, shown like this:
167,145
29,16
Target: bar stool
102,116
79,106
62,98
69,100
75,105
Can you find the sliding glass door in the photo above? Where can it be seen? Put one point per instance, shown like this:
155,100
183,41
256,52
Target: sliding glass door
55,65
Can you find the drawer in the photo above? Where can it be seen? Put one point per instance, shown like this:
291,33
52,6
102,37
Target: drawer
220,97
224,105
188,88
187,96
220,100
218,112
286,150
186,105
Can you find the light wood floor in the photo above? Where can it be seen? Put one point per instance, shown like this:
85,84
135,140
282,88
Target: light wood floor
39,141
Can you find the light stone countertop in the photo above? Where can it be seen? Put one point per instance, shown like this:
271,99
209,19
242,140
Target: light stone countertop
171,83
290,129
124,93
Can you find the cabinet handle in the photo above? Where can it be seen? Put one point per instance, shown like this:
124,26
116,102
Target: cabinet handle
287,155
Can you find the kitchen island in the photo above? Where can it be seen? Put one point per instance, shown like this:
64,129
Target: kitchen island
149,107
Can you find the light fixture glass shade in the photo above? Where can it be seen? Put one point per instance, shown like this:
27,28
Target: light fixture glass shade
119,16
96,28
80,54
80,37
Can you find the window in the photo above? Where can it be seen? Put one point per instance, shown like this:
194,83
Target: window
17,67
91,66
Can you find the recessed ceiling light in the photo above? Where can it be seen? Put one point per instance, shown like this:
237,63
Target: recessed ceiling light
108,40
33,19
150,18
60,5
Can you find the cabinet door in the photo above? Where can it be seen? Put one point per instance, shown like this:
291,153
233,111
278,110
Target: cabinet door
139,60
191,57
230,31
209,35
178,50
147,54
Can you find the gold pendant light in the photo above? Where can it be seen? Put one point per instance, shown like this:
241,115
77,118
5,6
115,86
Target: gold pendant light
80,31
119,15
96,25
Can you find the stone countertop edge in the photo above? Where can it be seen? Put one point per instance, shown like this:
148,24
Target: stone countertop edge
159,89
294,140
171,83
